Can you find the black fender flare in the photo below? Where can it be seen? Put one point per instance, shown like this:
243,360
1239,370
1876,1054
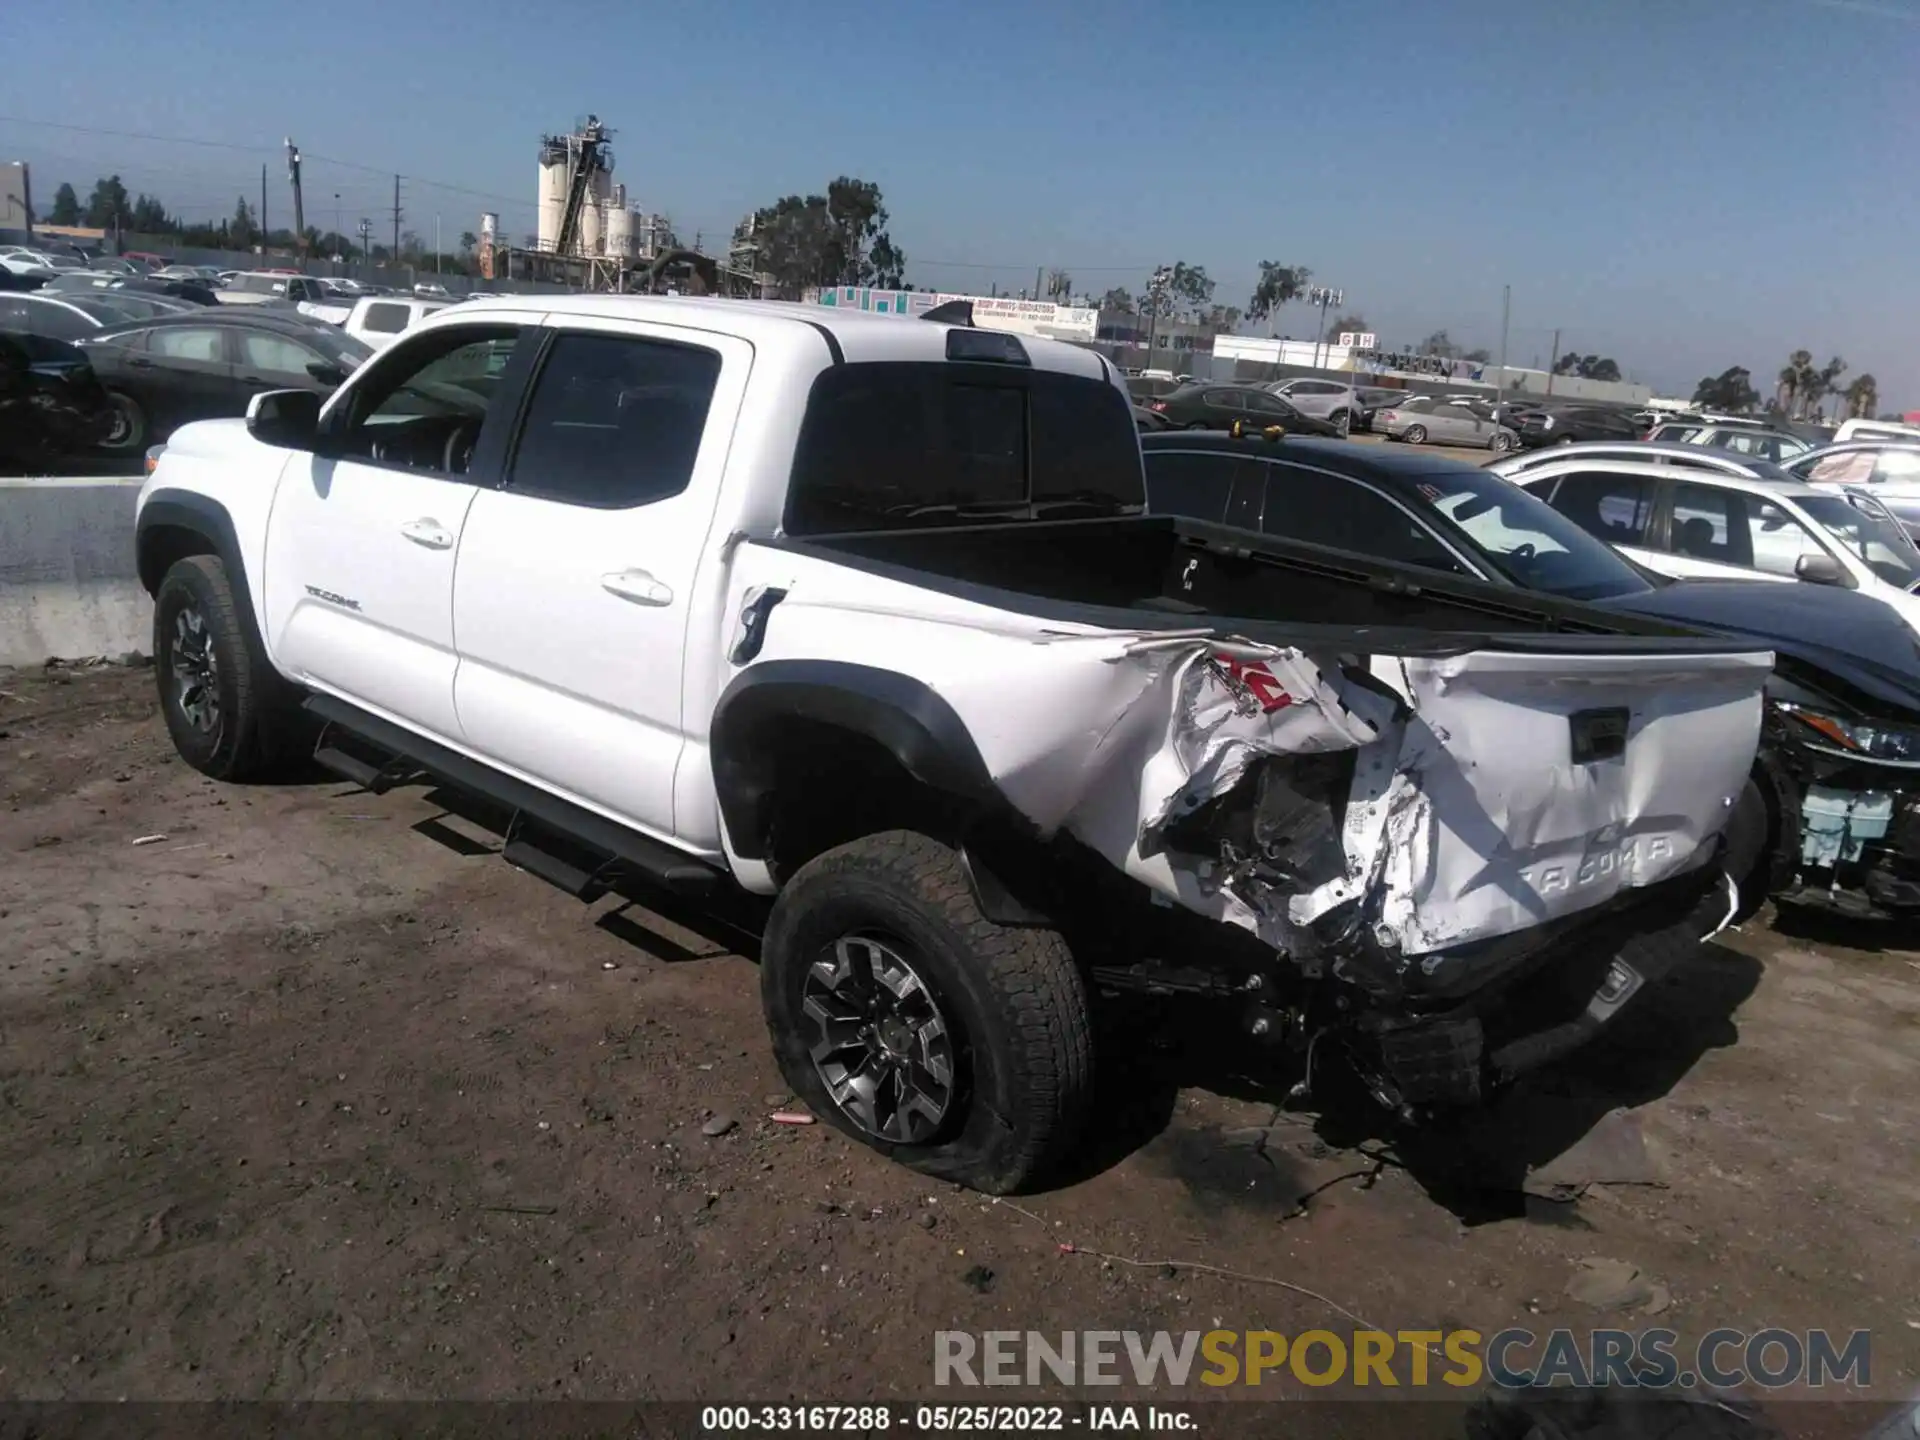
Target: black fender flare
904,716
177,510
184,510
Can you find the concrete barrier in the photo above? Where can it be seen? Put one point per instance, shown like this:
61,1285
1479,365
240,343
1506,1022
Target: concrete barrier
68,589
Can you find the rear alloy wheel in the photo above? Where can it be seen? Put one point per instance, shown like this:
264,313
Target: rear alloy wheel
878,1039
1500,443
127,430
909,1021
1343,422
1414,435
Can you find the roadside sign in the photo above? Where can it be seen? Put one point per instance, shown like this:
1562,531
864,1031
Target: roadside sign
1357,339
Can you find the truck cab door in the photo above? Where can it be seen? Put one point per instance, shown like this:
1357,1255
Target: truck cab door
581,598
363,536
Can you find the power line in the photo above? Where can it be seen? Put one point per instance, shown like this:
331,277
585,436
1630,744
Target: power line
133,135
309,156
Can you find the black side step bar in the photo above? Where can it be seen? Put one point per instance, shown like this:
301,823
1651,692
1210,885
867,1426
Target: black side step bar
562,843
335,751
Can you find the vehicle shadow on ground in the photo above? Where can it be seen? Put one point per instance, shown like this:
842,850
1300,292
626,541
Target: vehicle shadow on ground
1820,927
642,915
1150,1050
1474,1164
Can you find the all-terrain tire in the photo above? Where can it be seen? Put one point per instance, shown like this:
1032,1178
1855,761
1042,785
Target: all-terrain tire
1011,997
205,648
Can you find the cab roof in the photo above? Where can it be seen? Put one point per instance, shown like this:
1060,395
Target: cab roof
853,335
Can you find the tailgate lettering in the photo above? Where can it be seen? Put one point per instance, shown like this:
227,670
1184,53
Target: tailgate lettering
1600,865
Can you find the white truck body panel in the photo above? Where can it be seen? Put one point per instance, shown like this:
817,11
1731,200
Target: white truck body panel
585,650
1465,816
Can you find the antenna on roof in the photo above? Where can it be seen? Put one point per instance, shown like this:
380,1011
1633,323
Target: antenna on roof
954,312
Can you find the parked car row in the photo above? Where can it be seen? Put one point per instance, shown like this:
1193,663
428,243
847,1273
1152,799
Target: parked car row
166,348
158,363
1202,405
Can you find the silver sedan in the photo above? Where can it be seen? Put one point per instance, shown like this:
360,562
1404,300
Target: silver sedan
1425,419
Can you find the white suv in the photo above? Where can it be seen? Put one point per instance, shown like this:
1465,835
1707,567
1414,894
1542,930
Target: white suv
1322,399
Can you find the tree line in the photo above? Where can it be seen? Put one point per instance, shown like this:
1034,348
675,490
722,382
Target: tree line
111,208
1800,392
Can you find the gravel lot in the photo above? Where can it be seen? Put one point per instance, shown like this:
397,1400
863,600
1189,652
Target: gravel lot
313,1097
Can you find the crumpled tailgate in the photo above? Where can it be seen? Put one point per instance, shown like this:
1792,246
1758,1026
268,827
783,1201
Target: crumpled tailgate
1533,786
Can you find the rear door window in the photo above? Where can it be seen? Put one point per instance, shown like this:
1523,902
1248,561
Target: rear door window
201,345
1614,508
614,420
1710,524
276,354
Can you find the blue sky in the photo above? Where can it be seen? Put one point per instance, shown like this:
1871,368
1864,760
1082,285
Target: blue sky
1681,184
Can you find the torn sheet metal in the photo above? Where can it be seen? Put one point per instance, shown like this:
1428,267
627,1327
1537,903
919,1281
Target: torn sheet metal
1465,813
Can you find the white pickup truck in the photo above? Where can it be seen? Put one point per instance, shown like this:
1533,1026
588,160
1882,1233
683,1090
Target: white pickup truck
858,620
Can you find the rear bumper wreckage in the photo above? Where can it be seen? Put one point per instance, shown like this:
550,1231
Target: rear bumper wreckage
1417,829
1467,866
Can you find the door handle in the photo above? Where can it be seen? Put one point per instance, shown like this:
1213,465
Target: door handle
428,532
637,586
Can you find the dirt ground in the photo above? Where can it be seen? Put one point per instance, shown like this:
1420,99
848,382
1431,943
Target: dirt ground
313,1097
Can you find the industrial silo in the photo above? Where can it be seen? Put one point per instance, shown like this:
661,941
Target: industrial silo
552,194
619,232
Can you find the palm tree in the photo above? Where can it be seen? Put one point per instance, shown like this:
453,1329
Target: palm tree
1792,374
1863,397
1824,382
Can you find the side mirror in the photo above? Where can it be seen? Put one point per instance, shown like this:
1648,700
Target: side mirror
288,419
325,373
1821,570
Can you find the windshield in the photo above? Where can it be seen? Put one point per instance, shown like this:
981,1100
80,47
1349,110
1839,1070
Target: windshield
340,347
1526,538
1865,527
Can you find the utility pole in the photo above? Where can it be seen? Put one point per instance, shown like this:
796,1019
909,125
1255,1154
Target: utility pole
395,255
1038,271
1553,362
339,240
1500,385
1157,285
366,245
436,244
1323,297
263,208
299,203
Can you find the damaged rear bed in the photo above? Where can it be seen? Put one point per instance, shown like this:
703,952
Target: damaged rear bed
1414,790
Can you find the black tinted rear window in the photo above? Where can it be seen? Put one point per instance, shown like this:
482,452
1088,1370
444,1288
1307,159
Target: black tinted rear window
892,445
